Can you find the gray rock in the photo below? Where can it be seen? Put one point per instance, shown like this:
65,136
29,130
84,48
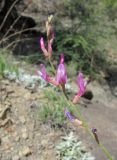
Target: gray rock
115,91
40,9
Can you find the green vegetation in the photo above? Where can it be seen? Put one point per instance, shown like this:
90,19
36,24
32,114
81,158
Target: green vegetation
2,65
53,109
92,35
6,62
72,69
70,148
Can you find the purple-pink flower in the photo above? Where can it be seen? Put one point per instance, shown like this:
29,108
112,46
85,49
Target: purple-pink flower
47,53
46,77
82,83
68,115
44,74
94,131
72,118
52,38
61,76
42,45
49,49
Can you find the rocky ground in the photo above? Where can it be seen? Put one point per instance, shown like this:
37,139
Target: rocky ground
23,137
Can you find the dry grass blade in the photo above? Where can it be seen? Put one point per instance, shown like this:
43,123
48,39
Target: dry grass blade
15,42
13,24
10,9
19,32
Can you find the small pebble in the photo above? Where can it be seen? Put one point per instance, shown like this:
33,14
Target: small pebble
25,135
22,119
26,151
16,157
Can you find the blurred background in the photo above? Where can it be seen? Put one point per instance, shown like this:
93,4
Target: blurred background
86,31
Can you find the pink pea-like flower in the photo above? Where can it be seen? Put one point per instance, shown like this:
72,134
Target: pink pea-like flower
72,118
61,76
82,83
47,52
94,131
42,45
46,77
43,73
50,49
68,115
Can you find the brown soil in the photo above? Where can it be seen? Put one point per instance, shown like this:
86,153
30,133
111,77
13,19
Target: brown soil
23,137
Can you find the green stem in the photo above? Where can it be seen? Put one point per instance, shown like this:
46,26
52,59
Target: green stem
85,125
52,66
87,128
105,151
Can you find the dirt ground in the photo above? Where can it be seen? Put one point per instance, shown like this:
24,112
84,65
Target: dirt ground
23,137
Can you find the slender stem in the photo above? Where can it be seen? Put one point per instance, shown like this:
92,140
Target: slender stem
105,151
52,66
64,91
87,128
85,125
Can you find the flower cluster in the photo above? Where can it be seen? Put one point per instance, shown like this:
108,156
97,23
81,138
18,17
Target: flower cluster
60,79
82,83
50,36
72,118
61,76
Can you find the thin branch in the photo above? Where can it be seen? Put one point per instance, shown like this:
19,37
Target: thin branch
17,33
15,21
14,42
7,14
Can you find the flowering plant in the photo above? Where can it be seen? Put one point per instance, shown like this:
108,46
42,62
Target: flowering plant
60,81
